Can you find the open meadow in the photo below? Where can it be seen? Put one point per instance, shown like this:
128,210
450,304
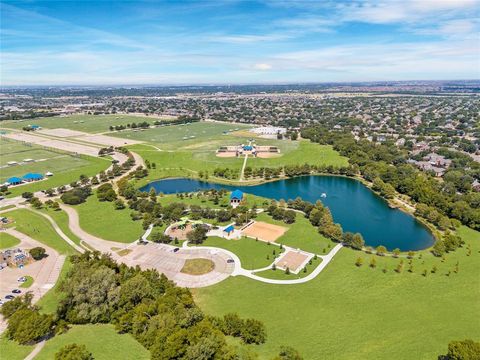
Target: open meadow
351,312
86,123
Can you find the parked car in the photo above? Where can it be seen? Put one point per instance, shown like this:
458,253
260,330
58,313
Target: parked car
17,291
9,297
230,261
176,249
22,279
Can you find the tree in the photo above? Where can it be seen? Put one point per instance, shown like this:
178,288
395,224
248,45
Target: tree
289,217
232,324
119,204
38,253
27,326
253,332
359,262
373,263
27,195
381,250
20,302
73,352
197,235
396,252
288,353
462,350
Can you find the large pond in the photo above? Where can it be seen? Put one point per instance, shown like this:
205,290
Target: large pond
352,204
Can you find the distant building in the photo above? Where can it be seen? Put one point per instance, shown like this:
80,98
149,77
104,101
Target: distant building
236,197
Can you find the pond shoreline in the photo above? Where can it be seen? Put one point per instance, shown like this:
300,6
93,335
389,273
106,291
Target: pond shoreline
375,221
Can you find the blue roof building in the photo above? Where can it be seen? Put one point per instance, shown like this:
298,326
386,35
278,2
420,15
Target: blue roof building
247,147
236,198
237,194
32,177
229,229
14,180
35,127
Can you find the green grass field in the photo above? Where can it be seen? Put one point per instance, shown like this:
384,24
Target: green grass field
307,152
65,171
101,340
188,163
102,220
8,241
363,313
12,351
61,219
253,254
171,137
40,229
86,123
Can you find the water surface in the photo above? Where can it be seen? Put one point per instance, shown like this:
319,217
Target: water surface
352,204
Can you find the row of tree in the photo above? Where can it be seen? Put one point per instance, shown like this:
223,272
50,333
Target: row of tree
387,162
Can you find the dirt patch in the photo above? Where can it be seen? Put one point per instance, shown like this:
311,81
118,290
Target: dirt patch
266,155
56,144
264,231
198,266
108,140
226,154
179,232
60,132
292,259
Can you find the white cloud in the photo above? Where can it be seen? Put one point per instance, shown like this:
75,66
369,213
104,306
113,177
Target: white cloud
262,66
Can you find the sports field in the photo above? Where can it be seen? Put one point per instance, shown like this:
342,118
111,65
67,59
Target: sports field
191,136
65,167
336,315
86,123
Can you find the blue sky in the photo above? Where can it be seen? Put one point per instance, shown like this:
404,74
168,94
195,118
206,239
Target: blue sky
218,42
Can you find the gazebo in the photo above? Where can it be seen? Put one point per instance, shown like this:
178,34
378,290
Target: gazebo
14,180
32,177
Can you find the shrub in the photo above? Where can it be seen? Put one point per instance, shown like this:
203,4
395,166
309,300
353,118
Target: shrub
38,253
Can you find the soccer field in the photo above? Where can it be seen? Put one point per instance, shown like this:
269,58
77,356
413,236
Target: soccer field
86,123
184,136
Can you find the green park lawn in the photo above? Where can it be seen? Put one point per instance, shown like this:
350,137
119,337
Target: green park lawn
102,220
336,315
86,123
306,152
65,169
101,340
253,254
189,161
40,229
13,351
8,241
301,234
206,135
61,219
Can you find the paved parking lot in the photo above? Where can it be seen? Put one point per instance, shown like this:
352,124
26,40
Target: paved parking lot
162,258
44,272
